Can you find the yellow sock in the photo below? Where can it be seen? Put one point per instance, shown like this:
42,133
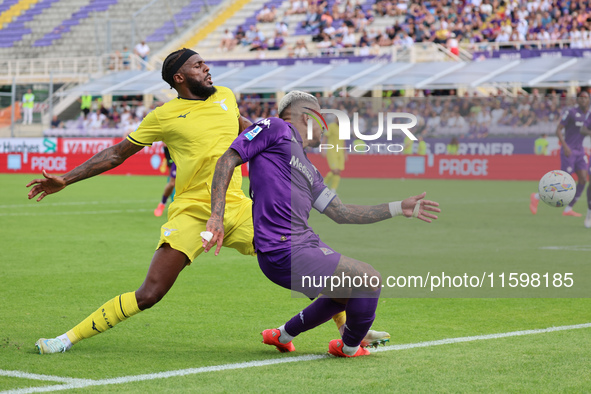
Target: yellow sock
107,316
340,319
328,179
336,179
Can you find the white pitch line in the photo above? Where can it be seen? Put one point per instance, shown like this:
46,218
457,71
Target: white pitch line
35,376
482,337
72,383
572,248
109,211
34,204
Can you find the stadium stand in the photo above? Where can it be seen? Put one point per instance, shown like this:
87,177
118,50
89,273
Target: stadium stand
180,20
77,28
76,18
430,46
12,9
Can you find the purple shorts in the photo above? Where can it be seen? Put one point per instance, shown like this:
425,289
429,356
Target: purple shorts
576,161
300,269
173,171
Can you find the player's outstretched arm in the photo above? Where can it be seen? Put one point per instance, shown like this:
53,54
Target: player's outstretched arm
103,161
219,186
585,130
415,206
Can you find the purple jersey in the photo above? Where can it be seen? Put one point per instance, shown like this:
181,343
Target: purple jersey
284,185
572,120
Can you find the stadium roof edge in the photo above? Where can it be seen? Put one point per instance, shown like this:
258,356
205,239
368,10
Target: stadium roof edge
562,72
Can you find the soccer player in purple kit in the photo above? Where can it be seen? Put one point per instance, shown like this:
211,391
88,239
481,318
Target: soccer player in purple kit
572,154
284,188
586,130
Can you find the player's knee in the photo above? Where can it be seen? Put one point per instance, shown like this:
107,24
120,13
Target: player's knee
147,298
375,280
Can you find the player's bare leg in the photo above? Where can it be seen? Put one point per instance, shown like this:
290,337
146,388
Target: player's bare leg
168,189
165,267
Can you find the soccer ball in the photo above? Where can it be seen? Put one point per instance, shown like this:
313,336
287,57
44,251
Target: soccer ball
557,188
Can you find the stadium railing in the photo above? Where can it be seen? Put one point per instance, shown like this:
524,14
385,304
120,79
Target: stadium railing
65,69
518,45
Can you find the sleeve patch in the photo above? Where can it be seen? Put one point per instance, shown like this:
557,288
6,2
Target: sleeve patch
253,133
324,199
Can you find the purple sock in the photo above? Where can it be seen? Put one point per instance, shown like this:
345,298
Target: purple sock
318,312
580,187
164,199
589,196
361,313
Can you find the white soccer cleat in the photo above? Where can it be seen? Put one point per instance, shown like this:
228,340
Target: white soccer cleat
588,219
375,338
49,346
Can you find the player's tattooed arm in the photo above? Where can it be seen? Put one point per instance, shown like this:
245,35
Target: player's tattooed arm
221,180
243,124
105,160
97,164
414,206
356,214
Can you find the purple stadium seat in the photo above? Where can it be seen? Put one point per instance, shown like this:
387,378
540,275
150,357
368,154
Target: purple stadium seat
82,13
181,18
14,31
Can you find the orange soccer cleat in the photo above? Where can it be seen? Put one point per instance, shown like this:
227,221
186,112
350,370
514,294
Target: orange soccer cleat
271,337
533,203
159,210
335,347
571,213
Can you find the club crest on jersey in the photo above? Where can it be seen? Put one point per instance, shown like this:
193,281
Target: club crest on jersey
222,104
253,133
327,251
168,231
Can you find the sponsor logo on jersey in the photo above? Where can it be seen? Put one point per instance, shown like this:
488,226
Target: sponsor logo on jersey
301,167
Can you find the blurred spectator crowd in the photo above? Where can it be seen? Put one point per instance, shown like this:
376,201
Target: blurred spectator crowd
437,116
441,116
341,24
119,120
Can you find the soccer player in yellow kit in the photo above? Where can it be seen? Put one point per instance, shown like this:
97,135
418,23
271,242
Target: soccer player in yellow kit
198,127
335,157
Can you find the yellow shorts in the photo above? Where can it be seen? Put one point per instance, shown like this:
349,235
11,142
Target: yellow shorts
187,219
336,161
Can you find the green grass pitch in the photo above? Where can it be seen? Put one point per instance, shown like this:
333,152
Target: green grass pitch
62,258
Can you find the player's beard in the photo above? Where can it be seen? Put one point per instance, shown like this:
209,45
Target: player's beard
314,144
199,89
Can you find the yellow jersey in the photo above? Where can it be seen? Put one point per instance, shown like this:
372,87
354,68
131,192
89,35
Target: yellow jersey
197,133
332,138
